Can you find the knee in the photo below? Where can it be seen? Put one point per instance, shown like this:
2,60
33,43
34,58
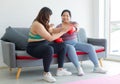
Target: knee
70,48
90,47
49,51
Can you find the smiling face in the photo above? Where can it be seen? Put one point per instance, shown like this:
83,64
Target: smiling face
66,17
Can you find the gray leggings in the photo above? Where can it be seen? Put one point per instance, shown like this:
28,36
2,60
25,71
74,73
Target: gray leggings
73,45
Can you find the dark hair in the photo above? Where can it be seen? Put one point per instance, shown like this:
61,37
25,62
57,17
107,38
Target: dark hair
43,16
66,11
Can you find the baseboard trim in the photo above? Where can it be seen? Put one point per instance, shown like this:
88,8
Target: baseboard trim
3,67
113,58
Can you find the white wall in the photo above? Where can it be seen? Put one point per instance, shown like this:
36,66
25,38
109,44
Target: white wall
96,17
99,18
20,13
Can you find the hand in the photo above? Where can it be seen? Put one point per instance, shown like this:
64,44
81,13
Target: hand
59,40
77,27
72,30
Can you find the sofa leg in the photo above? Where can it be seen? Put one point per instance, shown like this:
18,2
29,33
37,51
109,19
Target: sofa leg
18,73
10,69
100,61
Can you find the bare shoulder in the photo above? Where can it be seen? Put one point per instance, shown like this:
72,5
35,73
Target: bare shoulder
36,24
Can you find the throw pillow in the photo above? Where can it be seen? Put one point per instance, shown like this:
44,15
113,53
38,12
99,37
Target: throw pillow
14,36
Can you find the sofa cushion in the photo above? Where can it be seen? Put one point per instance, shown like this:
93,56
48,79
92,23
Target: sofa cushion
23,55
98,49
14,36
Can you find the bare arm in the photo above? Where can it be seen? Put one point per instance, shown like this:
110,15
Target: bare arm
56,30
39,29
76,25
52,29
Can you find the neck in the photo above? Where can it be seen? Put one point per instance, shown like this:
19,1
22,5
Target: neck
66,23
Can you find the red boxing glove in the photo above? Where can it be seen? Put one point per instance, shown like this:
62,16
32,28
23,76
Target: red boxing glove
72,30
59,40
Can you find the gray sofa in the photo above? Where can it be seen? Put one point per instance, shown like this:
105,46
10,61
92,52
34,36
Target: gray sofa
14,43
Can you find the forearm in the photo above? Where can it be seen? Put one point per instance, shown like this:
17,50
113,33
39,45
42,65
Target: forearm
57,30
57,35
54,36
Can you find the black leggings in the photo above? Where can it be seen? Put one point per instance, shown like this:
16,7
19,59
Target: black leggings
45,50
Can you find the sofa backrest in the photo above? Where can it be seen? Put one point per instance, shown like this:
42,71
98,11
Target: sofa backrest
23,31
82,35
19,36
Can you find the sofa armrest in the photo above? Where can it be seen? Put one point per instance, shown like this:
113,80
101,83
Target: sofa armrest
96,41
8,52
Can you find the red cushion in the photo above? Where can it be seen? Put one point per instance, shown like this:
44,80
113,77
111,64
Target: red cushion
26,58
100,50
55,55
97,51
30,57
